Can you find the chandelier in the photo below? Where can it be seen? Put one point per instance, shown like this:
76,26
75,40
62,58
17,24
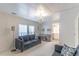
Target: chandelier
41,13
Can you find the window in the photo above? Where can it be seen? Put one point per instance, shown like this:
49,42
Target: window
22,30
31,30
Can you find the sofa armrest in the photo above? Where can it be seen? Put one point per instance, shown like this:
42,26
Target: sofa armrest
19,43
58,48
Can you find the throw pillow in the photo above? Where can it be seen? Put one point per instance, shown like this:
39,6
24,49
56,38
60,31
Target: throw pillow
67,51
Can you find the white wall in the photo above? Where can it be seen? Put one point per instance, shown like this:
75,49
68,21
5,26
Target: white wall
6,21
47,25
67,27
78,29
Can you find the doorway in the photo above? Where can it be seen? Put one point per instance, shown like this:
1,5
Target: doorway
55,31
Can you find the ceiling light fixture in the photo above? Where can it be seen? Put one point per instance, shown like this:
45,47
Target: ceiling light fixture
41,12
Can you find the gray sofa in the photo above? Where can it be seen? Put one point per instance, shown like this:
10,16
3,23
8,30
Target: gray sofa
24,42
58,48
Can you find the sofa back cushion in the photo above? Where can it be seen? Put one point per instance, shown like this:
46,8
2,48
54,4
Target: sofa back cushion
27,37
32,37
24,38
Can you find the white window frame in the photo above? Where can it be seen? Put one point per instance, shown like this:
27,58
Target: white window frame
22,30
33,31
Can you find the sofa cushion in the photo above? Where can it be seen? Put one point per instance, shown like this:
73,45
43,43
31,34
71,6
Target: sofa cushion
28,42
67,51
25,38
77,51
32,37
34,40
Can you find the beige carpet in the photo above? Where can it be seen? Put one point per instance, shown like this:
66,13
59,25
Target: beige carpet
43,49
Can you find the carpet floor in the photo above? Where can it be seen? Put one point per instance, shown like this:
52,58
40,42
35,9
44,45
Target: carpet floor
43,49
